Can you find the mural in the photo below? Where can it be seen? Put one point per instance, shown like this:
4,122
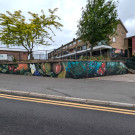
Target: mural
116,53
77,69
87,69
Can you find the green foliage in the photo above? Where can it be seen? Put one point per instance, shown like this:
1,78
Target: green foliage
103,58
94,58
14,59
83,58
16,31
98,22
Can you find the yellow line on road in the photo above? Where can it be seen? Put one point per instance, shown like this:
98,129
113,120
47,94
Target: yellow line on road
69,104
86,105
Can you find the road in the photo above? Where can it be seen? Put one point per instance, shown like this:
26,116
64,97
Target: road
27,116
80,88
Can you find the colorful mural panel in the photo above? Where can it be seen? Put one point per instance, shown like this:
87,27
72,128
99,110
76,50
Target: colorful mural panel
71,69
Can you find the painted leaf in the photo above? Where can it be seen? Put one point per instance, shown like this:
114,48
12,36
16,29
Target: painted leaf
62,74
40,71
27,73
4,70
22,71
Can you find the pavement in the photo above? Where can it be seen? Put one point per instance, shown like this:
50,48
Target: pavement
121,78
108,90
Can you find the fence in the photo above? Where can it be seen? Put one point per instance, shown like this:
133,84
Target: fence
41,54
130,63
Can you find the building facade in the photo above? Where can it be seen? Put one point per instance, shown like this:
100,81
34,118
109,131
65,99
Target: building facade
119,47
18,54
130,44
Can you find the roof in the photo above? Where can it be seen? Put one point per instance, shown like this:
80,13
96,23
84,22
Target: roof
13,49
129,37
94,48
123,25
79,37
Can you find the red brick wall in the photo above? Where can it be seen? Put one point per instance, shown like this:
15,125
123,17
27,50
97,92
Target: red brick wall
17,55
133,46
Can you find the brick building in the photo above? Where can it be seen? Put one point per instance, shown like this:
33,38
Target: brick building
119,47
18,54
130,44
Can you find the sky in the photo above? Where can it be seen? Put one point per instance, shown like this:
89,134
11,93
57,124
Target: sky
70,12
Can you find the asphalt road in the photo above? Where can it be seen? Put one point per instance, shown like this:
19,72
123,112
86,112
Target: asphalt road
81,88
30,118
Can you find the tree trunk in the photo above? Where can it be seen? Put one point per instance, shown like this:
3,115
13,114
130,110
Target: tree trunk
31,55
91,50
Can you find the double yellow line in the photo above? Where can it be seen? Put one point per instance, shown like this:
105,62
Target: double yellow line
69,104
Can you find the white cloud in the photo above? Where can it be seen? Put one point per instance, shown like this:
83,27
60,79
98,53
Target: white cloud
126,12
130,24
69,12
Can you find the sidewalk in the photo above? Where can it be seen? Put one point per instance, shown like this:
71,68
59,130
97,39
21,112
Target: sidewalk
122,78
119,89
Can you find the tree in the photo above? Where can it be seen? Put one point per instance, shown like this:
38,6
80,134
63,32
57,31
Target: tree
98,22
16,31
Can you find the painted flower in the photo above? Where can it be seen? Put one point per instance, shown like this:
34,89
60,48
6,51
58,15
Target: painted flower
34,71
12,68
101,69
33,68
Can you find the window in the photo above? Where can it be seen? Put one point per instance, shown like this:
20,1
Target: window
102,43
70,44
114,39
74,49
84,47
74,42
79,41
99,43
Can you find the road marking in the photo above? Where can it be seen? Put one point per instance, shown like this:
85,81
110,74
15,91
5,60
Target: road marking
69,104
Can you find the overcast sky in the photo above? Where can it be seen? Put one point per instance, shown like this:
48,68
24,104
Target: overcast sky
69,12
